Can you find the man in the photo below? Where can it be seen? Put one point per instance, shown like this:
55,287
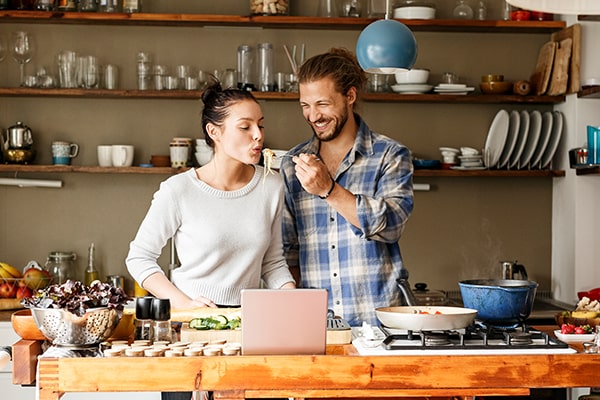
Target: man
348,195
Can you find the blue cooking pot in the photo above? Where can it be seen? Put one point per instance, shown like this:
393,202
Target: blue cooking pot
498,302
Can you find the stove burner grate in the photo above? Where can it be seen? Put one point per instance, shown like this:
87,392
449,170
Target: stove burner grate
473,337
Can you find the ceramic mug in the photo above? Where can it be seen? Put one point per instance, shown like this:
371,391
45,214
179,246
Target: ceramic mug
179,155
62,152
105,155
122,155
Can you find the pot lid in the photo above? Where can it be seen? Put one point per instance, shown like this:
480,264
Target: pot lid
425,296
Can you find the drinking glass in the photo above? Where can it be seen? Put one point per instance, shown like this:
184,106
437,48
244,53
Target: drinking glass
3,47
22,48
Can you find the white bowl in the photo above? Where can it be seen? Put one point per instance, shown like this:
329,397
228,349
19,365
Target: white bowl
414,12
203,157
413,76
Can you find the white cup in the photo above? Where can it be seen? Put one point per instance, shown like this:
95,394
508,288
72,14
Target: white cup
105,155
122,155
179,155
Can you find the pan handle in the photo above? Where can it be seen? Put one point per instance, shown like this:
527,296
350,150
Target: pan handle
404,286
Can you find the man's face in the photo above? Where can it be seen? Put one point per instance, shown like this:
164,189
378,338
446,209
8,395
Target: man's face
325,109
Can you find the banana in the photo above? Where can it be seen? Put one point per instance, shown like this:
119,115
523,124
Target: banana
12,271
4,274
584,314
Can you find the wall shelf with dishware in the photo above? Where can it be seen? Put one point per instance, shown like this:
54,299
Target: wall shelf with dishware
275,22
588,171
167,171
195,95
589,92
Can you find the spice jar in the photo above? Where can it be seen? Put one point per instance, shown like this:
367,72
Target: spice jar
269,7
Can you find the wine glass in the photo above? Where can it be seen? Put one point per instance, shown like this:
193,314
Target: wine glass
22,48
3,47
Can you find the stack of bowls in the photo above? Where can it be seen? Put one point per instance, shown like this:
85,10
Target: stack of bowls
449,157
494,84
470,158
414,9
203,152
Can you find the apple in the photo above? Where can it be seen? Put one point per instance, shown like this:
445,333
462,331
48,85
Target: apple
8,290
23,292
36,278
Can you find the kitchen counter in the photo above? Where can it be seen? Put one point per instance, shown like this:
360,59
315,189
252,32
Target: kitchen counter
339,373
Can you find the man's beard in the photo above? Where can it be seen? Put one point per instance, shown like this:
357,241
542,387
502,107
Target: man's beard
336,130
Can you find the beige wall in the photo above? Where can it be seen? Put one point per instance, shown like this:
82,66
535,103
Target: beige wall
459,230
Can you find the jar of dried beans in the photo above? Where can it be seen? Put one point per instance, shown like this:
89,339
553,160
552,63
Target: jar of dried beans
269,7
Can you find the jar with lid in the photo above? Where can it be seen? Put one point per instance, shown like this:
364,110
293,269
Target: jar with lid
245,67
61,265
132,6
266,75
269,7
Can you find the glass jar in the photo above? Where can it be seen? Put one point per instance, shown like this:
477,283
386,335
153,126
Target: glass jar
269,7
463,10
61,265
266,76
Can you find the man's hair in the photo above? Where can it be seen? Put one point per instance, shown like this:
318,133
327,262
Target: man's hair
339,64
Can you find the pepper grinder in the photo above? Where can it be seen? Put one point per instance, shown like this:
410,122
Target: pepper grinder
161,324
143,318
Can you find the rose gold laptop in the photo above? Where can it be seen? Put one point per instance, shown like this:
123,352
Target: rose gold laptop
284,321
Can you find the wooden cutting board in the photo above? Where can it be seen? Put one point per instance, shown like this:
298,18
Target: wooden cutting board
188,334
10,304
573,32
560,68
543,68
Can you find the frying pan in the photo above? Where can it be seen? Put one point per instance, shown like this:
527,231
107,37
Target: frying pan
425,318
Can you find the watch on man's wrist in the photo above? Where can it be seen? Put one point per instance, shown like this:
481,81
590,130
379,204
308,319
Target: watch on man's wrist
329,191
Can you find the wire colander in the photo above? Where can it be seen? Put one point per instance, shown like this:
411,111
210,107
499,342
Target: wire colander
65,328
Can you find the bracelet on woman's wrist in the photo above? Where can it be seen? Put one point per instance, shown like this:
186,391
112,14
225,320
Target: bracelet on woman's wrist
330,190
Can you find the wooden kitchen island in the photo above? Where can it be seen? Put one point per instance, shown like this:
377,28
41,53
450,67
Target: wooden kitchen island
339,373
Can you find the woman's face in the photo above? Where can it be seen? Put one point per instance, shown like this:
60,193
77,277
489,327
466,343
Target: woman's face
241,135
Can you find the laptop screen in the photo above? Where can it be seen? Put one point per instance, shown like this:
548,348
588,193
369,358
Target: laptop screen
284,321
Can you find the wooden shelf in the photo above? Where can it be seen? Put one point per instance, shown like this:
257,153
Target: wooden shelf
91,169
274,22
589,92
588,171
195,95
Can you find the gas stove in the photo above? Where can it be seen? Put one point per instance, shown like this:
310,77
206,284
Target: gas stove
475,339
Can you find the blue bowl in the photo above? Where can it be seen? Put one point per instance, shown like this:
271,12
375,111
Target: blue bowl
427,164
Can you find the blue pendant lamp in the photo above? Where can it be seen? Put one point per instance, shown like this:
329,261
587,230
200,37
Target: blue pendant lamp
386,46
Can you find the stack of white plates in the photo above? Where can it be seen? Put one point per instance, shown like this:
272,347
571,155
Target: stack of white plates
523,140
470,159
453,88
412,88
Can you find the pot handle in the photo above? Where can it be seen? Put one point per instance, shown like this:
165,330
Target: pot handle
520,269
404,286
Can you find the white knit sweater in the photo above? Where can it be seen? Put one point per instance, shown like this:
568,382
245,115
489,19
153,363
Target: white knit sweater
225,240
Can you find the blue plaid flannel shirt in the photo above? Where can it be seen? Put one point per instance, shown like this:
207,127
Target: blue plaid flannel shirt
358,266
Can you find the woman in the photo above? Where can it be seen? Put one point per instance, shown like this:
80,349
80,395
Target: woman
225,217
